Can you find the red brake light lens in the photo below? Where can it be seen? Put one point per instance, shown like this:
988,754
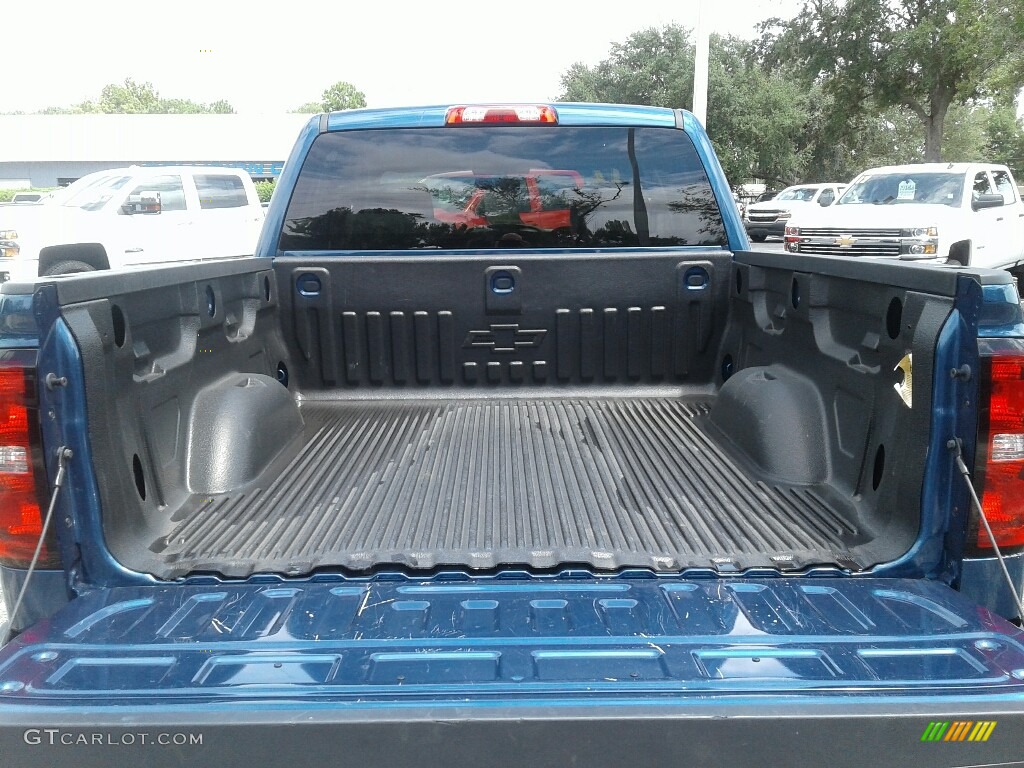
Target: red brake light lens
527,114
21,492
1000,459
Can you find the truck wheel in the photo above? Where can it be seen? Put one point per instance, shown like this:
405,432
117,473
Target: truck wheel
68,267
760,237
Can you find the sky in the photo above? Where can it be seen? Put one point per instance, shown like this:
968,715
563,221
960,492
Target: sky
273,57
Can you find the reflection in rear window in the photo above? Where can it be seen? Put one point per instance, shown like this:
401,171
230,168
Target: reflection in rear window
482,187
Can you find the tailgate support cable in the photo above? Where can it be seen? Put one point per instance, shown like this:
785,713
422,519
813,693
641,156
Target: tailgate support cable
955,445
63,457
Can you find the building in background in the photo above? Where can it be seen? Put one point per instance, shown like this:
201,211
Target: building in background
53,150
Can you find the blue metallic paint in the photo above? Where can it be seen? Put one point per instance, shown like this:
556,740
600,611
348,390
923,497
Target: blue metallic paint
568,114
47,594
269,235
475,641
19,326
1001,314
734,229
982,581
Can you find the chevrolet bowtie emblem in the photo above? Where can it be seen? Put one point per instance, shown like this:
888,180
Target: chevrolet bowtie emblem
846,241
505,337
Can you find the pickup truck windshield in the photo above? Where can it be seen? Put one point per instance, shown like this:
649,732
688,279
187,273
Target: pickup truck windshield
456,188
803,194
896,188
94,196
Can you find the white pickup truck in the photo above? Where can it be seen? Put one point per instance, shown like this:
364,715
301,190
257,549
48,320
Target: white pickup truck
966,212
129,217
769,218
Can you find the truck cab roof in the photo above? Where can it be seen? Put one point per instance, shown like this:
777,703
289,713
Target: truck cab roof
933,168
568,113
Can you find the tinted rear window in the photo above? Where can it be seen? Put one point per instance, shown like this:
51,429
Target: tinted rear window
220,192
453,188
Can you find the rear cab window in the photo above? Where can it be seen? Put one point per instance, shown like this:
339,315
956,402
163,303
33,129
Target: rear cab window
482,188
1004,186
982,185
220,191
170,189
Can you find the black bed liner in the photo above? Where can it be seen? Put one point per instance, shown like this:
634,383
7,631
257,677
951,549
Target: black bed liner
654,410
610,483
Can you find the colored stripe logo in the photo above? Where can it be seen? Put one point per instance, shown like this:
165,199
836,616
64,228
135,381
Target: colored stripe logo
959,730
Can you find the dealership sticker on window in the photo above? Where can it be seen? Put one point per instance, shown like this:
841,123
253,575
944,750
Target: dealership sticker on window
906,191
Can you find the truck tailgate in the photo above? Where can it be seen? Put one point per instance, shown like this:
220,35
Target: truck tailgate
601,672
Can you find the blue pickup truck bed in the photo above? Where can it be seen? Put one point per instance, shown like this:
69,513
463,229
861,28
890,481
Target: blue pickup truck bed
472,471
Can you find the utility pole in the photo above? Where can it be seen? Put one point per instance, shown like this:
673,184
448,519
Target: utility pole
700,67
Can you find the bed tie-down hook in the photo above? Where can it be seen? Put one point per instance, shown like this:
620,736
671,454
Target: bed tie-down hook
53,381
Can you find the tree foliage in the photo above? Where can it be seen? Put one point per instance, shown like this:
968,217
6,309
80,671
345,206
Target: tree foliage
341,95
778,114
265,190
756,118
1004,140
653,66
919,55
131,97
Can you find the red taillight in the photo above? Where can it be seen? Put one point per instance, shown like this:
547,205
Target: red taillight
21,492
999,464
538,114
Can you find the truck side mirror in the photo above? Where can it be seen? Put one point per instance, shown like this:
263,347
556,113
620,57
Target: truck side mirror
986,201
144,202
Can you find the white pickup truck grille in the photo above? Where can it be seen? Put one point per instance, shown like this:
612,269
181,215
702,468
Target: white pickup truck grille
763,217
863,248
834,232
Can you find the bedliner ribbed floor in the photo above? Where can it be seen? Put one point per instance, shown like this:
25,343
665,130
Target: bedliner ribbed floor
479,483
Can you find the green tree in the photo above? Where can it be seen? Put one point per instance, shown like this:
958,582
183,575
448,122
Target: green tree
755,117
265,190
1004,140
341,95
139,98
653,66
965,139
73,110
921,55
129,98
889,136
